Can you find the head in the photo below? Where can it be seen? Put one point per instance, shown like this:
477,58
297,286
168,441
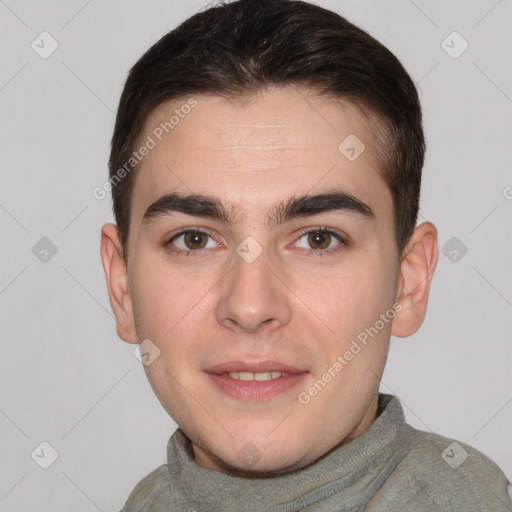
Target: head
266,169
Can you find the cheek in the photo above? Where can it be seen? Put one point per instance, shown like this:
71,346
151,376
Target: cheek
161,300
351,298
358,295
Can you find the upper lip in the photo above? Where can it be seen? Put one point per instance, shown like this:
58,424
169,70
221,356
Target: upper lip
254,367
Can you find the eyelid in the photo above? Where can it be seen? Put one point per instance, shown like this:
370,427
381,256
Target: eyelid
324,229
319,253
182,231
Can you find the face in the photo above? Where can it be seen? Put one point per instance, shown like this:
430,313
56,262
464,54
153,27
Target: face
269,297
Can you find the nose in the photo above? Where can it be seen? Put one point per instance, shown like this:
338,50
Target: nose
253,295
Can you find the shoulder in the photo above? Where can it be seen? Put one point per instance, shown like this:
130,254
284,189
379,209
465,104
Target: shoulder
153,487
454,475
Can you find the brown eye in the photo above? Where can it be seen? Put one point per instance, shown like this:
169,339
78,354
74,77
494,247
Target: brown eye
195,239
319,239
190,242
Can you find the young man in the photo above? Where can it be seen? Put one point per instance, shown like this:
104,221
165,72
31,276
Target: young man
265,170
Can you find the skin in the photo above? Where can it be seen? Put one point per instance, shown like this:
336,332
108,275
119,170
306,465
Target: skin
287,305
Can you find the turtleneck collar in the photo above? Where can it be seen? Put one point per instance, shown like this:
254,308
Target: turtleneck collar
354,471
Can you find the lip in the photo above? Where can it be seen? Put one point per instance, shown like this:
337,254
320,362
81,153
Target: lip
253,389
255,367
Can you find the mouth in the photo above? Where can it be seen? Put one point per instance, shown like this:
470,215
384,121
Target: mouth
259,376
255,381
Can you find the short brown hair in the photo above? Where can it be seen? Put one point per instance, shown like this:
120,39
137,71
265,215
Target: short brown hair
234,49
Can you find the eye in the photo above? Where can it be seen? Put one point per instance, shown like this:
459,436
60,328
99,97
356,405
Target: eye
321,240
190,240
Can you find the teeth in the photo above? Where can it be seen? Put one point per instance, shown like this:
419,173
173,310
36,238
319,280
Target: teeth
257,376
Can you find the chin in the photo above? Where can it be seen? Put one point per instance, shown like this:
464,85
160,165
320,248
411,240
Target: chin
261,466
256,456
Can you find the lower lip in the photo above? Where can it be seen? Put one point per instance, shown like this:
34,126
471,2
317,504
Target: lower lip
254,389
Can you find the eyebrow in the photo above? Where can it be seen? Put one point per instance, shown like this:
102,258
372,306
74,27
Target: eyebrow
295,207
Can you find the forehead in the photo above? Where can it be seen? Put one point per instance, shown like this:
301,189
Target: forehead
280,142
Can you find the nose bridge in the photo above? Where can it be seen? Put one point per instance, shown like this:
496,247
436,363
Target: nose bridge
251,294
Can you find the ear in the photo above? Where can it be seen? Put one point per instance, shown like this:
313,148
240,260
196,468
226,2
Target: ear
116,273
416,270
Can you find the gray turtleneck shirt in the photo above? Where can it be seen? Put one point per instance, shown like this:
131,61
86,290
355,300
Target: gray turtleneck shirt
391,467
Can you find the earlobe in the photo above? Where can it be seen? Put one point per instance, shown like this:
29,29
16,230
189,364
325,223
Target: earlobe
117,283
415,275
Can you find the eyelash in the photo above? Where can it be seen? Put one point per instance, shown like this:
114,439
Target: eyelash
314,252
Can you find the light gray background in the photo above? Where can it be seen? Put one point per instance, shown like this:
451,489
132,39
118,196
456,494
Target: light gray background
66,378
